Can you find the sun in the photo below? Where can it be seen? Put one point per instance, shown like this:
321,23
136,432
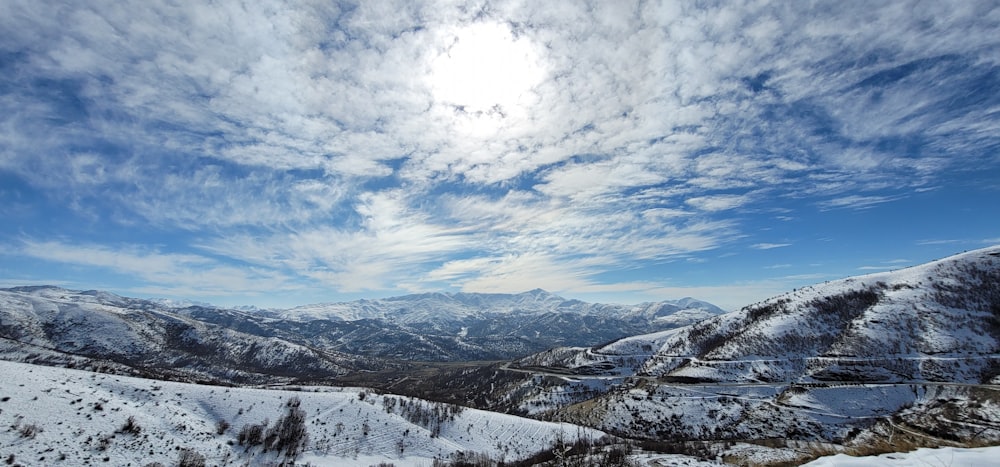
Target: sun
486,71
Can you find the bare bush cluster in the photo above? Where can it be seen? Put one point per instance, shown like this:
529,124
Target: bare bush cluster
288,435
430,415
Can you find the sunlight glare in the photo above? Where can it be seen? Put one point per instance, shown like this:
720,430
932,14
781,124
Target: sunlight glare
484,69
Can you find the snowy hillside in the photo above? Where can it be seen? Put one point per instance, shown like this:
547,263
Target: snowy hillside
98,329
914,350
922,457
905,358
69,417
934,322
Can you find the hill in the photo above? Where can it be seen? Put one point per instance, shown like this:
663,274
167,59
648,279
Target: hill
935,322
103,331
910,351
69,417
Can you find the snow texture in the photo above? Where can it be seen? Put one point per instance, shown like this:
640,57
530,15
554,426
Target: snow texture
952,457
70,417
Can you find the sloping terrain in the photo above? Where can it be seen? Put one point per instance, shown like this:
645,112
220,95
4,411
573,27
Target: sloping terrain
429,327
58,416
95,329
903,358
871,354
101,330
935,322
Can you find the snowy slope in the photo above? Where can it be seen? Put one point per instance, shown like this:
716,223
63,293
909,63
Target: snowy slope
910,348
70,417
54,325
934,322
953,457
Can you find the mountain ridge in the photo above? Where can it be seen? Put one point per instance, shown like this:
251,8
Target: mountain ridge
532,301
948,308
460,326
849,361
92,328
433,327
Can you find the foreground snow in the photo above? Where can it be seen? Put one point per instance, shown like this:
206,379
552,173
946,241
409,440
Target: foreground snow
69,417
953,457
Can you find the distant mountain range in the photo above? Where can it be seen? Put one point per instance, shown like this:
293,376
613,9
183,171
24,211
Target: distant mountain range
460,326
97,329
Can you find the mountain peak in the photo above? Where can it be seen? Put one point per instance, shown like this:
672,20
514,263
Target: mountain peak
539,293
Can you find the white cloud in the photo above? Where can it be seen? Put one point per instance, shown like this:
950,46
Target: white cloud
857,201
180,274
326,142
940,242
392,242
717,202
729,297
586,181
769,246
513,274
288,87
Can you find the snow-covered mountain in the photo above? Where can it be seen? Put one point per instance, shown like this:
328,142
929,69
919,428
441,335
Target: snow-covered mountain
903,358
322,340
67,417
450,307
935,322
460,326
916,350
101,330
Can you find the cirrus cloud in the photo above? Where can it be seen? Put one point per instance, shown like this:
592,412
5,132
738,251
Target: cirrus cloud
328,143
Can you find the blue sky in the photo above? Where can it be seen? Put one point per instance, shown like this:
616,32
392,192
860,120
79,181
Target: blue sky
282,153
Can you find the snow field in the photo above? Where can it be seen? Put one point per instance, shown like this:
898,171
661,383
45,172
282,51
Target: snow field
57,416
952,457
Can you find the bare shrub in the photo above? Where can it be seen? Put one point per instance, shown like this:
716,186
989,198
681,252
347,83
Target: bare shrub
221,427
191,458
29,431
131,426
